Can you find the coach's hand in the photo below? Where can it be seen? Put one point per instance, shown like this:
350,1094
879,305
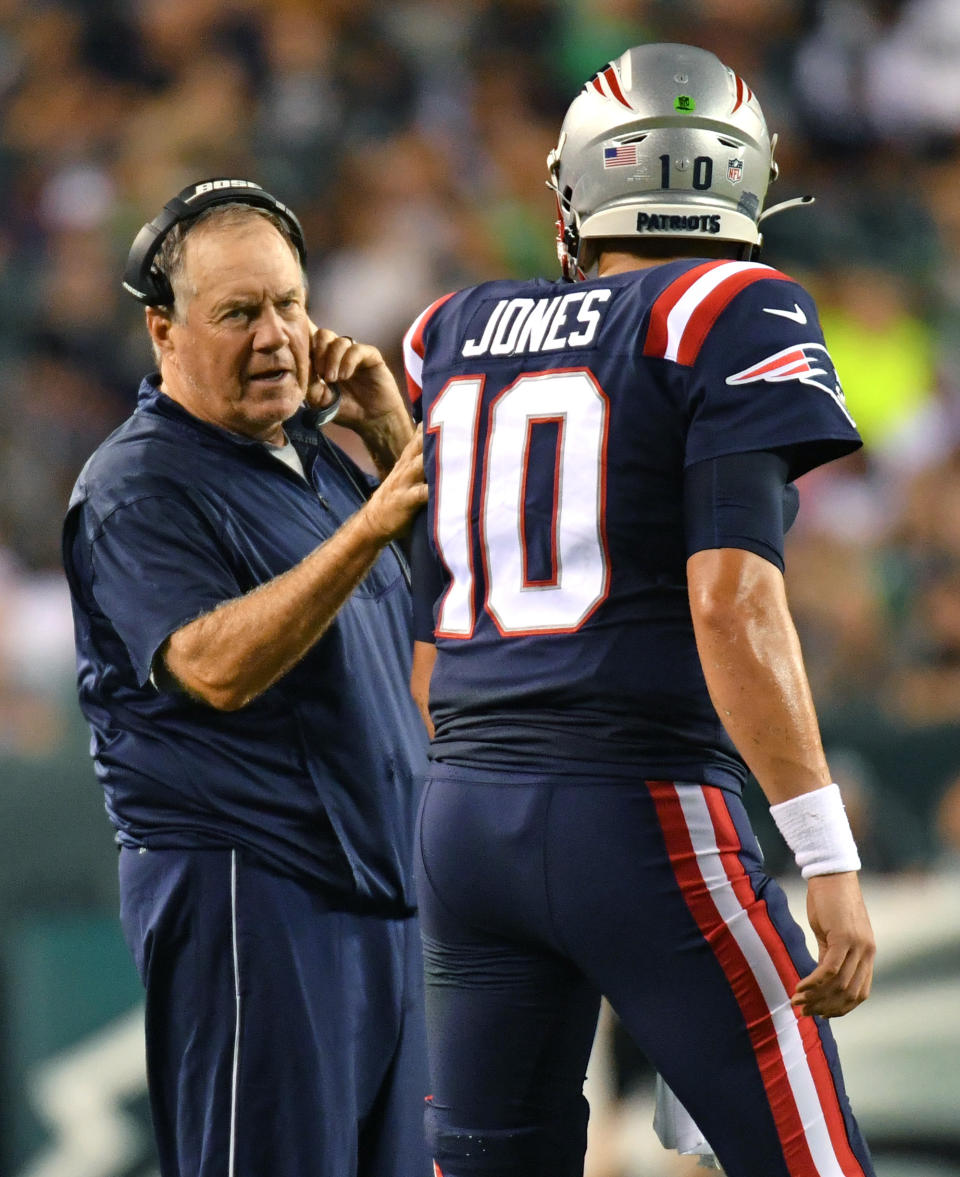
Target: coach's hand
371,404
367,386
390,510
839,920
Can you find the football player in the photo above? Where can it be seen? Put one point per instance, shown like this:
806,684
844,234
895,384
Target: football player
606,638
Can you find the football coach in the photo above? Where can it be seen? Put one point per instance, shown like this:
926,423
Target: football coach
242,619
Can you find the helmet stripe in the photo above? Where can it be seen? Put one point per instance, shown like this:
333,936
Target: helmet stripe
744,94
612,87
610,75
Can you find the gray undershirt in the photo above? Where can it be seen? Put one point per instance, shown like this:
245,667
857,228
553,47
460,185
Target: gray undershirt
288,455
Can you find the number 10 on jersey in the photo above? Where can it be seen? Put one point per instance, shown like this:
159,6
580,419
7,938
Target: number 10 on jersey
518,604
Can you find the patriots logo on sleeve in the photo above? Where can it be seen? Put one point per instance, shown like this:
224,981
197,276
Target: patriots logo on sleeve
809,363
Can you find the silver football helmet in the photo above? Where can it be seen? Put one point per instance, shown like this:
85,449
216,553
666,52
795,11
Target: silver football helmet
666,141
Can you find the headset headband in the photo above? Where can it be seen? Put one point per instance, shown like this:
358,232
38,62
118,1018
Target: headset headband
145,282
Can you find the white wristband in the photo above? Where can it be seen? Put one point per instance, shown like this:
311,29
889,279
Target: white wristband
815,827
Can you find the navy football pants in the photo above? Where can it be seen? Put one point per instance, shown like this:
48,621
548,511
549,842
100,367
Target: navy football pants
284,1037
536,896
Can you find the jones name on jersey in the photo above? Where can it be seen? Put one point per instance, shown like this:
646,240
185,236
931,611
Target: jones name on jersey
510,326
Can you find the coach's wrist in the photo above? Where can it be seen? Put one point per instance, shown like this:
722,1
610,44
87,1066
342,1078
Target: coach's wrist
386,435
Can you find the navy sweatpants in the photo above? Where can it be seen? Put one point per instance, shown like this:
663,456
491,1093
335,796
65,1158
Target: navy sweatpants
284,1036
539,894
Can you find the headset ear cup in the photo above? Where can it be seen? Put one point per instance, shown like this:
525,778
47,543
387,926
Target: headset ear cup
140,277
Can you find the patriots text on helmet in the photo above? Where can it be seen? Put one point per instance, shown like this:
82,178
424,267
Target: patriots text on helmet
655,223
516,325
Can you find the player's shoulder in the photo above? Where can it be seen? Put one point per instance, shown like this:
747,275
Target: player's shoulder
442,326
690,300
459,305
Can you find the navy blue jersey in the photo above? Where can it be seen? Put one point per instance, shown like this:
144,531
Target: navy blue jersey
317,776
559,421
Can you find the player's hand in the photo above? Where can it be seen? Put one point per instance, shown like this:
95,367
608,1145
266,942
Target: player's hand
390,510
839,920
368,390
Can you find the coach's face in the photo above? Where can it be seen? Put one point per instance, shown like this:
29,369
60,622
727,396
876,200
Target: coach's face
238,352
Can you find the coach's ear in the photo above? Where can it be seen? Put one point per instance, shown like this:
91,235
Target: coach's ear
159,324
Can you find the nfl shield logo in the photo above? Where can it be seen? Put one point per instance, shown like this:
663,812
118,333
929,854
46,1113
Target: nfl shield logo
734,170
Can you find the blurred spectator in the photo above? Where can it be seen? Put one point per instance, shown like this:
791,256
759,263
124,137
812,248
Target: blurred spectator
36,663
922,569
947,828
875,71
882,349
842,630
889,836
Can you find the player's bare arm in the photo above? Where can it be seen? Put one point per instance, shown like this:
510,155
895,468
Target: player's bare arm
371,404
232,654
424,656
754,671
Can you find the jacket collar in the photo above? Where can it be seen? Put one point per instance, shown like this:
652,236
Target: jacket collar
151,400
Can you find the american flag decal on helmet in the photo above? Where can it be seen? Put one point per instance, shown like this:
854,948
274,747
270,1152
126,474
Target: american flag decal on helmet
607,83
623,155
809,363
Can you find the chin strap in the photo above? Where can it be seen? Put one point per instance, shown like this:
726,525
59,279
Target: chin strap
750,253
568,246
568,239
795,202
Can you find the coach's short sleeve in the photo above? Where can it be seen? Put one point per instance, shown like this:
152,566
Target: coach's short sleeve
156,565
761,377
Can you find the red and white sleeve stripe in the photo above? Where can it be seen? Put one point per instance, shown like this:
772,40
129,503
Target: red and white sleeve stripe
413,348
682,316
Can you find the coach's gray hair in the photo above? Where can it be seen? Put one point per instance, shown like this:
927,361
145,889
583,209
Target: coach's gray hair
170,259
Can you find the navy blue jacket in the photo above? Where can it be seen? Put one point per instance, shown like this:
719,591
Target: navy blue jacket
317,776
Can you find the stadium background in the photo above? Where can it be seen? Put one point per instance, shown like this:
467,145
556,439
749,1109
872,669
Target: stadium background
411,138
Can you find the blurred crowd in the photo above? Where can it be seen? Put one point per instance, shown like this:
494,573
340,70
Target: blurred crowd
411,138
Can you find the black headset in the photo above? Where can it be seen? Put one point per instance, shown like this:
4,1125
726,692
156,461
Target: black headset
144,281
